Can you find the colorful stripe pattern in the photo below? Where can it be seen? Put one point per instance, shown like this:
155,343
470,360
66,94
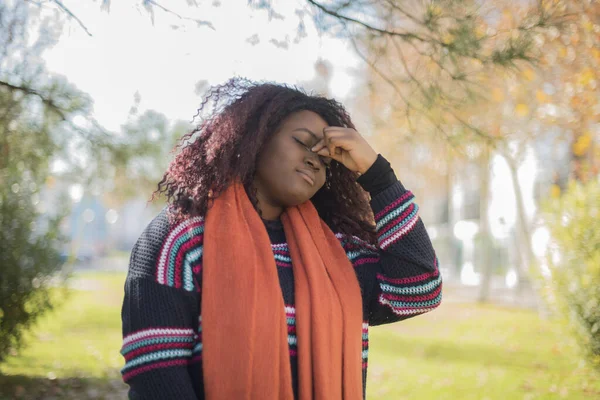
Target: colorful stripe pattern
414,295
290,315
281,252
180,260
155,348
396,220
197,349
365,344
181,255
358,251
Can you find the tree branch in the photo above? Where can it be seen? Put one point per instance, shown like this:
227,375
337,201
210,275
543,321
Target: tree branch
70,14
33,92
404,35
407,102
197,21
55,108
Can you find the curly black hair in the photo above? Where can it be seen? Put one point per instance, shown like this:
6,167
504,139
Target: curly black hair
225,147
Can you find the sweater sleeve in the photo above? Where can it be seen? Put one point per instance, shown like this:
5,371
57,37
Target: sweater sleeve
160,313
400,276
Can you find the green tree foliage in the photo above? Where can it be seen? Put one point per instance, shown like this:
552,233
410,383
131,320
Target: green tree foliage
44,120
33,109
147,144
574,285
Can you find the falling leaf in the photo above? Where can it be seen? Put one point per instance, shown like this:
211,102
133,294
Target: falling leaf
529,74
586,76
522,109
582,144
541,96
562,52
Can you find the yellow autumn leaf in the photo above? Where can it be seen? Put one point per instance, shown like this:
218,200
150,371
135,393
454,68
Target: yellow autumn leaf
541,96
528,74
596,54
479,32
554,191
435,10
562,52
586,76
588,26
582,144
497,95
522,109
447,37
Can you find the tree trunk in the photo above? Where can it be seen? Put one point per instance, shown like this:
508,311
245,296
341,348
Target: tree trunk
523,240
522,226
484,228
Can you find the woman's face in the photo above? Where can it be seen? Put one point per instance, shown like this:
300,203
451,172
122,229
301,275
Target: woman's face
287,172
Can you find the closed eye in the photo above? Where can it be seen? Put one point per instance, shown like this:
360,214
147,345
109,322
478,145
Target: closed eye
301,144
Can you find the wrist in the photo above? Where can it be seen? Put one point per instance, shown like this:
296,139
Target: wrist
368,162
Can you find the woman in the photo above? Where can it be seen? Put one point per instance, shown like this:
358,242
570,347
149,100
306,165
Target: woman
261,277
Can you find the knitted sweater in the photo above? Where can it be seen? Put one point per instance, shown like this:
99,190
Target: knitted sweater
162,325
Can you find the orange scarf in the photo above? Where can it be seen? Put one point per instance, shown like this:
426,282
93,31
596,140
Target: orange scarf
244,331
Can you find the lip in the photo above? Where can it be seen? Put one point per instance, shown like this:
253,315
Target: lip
307,176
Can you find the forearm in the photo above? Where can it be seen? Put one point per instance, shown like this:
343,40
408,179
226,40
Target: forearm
407,273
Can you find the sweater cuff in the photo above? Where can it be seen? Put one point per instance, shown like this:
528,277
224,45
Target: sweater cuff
378,177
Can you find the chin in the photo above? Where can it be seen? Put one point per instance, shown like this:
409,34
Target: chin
298,195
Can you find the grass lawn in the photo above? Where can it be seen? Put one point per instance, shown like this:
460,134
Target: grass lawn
459,351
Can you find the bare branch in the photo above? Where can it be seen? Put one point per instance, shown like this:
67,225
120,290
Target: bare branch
404,35
199,22
70,14
56,109
33,92
404,12
397,90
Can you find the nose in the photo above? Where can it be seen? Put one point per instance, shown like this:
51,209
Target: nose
312,160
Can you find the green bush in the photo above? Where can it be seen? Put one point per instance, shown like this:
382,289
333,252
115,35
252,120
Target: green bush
574,261
29,258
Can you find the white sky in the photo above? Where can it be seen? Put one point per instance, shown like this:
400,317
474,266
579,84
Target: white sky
127,54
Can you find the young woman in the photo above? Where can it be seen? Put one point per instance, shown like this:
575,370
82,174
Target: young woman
262,276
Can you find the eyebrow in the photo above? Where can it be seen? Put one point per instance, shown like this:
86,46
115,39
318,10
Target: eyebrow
309,131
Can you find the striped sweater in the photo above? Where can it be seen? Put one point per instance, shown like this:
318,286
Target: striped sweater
162,325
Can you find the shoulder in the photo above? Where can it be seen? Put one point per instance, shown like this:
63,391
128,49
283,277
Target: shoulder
169,252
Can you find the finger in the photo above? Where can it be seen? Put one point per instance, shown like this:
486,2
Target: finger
319,145
334,150
343,141
343,135
334,132
337,141
338,131
337,128
324,151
